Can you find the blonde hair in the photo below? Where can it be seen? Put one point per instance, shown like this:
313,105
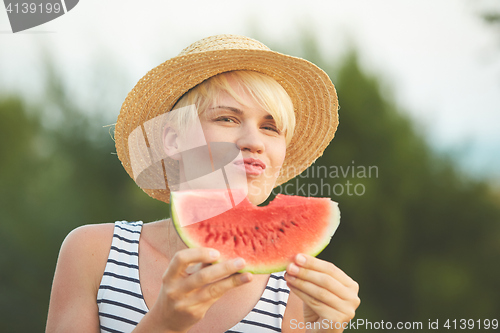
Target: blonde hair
264,90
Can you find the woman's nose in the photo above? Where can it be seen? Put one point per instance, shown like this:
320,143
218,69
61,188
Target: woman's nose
250,140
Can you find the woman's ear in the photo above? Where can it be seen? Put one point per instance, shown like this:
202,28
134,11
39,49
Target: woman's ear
171,142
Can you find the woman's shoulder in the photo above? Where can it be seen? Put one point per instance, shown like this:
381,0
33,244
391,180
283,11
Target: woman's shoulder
88,245
91,236
80,265
85,250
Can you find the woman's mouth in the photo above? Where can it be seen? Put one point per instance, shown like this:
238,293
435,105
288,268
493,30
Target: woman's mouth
252,166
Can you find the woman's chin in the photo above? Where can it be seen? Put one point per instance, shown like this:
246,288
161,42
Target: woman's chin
258,194
256,199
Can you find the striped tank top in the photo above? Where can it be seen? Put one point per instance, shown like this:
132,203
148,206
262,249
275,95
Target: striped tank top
121,303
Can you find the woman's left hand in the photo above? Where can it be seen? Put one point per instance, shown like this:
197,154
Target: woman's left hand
329,295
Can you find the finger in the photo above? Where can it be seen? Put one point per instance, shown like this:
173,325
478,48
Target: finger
212,292
182,259
316,264
320,279
319,294
193,268
321,309
212,274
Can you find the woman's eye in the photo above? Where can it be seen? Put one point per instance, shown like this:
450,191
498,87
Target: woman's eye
226,119
271,128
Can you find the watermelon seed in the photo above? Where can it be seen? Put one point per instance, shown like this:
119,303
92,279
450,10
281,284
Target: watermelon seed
256,228
295,224
207,239
283,231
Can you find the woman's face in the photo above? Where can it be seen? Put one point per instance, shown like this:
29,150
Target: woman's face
254,132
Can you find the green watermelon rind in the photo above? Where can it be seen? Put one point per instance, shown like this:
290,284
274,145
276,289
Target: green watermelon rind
334,224
175,219
267,269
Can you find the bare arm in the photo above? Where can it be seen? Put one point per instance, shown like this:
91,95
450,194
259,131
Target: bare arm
80,266
183,299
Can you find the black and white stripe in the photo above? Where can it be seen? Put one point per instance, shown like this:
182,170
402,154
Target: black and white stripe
120,300
267,315
121,303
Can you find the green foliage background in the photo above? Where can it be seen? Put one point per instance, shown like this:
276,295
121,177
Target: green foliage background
422,241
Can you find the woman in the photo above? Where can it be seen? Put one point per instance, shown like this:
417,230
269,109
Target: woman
280,112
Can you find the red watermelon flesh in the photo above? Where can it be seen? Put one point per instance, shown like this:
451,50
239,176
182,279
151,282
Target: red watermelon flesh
266,237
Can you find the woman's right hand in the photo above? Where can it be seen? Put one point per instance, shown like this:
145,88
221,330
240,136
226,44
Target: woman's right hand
185,298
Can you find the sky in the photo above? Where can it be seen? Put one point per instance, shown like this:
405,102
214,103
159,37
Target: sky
438,58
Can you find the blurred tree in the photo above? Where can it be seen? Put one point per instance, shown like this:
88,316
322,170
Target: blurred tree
490,11
18,164
428,234
421,239
53,178
493,18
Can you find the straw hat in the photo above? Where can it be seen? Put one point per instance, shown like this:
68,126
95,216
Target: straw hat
311,90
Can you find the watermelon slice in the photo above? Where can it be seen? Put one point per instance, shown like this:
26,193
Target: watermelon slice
266,237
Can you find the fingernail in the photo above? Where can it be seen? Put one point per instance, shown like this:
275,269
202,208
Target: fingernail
301,260
214,254
293,269
239,263
289,277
